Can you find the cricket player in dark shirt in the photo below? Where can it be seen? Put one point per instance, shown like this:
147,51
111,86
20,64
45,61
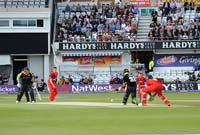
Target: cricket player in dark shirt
25,84
130,82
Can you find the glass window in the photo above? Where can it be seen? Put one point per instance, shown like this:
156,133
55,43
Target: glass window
20,23
40,23
31,23
4,23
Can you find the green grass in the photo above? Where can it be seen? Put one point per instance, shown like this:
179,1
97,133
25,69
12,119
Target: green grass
19,119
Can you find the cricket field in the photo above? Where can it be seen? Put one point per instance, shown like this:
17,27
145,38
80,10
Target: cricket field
99,114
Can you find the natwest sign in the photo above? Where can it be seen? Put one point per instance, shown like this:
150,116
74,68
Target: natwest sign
178,45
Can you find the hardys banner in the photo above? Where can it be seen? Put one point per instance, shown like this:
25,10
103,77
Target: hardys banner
102,88
134,46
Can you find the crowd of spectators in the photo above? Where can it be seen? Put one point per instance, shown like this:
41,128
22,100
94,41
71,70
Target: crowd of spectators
115,80
168,23
86,80
80,23
3,79
64,80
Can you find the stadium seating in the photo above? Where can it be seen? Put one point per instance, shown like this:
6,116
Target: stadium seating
173,26
97,24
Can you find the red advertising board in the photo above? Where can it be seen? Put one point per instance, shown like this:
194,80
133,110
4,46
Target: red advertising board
141,3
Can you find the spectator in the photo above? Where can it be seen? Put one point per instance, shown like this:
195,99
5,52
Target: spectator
177,80
166,8
112,80
160,5
173,6
41,85
191,5
115,80
185,36
82,79
186,5
1,79
61,81
179,5
90,80
196,34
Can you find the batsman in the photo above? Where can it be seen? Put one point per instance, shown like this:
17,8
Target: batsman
130,82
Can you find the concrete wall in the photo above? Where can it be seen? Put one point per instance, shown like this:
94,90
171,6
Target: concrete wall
126,57
36,64
5,59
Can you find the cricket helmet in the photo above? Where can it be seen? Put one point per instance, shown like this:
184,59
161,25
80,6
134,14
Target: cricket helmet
126,71
26,68
150,77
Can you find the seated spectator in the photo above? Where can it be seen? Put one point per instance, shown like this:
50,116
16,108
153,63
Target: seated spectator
179,5
186,5
112,80
173,6
191,34
90,80
191,5
132,37
196,34
160,5
115,80
185,36
151,36
177,80
166,8
1,79
5,79
69,80
118,25
61,81
197,18
41,85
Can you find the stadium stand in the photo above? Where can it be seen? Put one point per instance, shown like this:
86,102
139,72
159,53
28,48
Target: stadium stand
170,21
90,23
175,22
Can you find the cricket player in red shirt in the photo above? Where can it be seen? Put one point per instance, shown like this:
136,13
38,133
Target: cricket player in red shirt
154,87
52,84
140,83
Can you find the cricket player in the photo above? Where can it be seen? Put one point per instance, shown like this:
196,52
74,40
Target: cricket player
140,83
25,85
130,82
153,87
52,84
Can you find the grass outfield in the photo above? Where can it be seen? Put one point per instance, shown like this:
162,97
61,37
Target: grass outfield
64,118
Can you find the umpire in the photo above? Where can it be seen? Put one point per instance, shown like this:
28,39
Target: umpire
130,82
25,85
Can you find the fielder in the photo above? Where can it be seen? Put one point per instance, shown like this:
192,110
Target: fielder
130,83
52,84
153,87
140,83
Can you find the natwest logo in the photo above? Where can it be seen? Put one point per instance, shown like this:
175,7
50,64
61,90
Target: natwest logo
90,88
